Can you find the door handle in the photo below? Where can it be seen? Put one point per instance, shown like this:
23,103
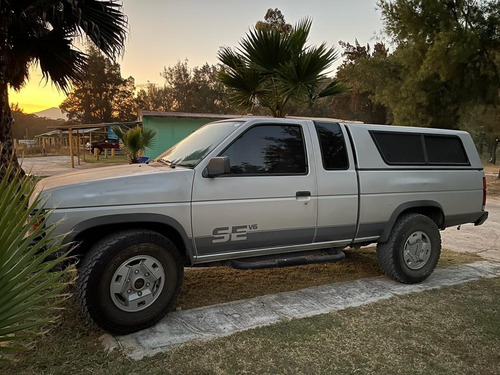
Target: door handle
303,194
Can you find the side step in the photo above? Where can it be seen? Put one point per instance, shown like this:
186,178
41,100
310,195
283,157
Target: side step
280,261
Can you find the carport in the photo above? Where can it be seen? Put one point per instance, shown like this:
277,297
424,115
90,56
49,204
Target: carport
79,131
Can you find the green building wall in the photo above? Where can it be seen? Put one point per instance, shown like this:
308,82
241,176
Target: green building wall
172,127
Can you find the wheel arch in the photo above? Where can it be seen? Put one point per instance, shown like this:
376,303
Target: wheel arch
88,232
431,209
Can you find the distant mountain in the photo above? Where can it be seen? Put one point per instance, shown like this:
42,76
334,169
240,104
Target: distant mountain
53,113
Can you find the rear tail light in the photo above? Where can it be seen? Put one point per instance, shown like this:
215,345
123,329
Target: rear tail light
484,192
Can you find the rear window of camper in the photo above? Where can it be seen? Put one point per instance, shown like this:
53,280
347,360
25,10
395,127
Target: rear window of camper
419,149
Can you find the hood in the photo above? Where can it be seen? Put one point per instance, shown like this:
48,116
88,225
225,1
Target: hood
120,185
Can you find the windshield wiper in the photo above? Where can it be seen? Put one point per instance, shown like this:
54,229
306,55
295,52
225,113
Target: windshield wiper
167,162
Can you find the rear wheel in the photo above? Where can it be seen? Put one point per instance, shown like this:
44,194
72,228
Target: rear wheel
129,280
413,249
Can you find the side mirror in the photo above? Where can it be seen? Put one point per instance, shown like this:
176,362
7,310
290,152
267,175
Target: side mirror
217,166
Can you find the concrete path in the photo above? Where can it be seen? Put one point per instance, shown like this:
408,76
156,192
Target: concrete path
483,239
210,322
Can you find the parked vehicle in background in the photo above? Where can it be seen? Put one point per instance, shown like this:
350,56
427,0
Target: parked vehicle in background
105,144
262,192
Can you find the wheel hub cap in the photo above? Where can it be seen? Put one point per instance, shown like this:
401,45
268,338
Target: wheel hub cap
137,283
417,250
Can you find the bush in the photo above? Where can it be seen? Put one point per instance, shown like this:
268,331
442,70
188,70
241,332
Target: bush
28,288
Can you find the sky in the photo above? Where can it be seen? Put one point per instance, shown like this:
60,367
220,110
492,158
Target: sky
163,32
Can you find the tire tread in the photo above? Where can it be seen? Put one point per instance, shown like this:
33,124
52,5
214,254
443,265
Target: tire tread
386,254
94,256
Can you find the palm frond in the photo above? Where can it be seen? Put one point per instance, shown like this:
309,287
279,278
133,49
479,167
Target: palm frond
26,281
135,140
42,32
333,88
270,68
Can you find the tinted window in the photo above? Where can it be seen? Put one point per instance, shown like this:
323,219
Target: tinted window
332,145
404,148
268,149
445,150
400,148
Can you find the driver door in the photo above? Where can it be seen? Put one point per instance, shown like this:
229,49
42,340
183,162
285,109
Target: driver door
268,200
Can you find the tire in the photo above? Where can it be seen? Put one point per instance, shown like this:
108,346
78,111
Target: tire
413,249
129,280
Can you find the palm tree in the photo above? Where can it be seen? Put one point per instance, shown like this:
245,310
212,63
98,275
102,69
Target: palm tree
41,32
135,140
270,68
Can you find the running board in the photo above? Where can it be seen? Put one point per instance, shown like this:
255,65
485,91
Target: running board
287,262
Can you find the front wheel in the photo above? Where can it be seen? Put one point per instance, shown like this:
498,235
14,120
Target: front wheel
413,249
129,280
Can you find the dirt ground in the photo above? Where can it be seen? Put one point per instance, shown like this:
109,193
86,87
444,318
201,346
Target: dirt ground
492,180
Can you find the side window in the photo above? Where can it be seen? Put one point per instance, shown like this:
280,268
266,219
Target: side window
400,148
420,149
445,150
268,149
332,145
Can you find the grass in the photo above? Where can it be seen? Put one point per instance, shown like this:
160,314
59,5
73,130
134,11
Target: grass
123,159
446,331
73,346
227,284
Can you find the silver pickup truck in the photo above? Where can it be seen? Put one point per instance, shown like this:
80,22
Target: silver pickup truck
262,192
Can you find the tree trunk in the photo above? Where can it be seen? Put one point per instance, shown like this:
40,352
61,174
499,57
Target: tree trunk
7,153
493,151
6,141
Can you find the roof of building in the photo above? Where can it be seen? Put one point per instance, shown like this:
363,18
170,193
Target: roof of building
184,114
89,126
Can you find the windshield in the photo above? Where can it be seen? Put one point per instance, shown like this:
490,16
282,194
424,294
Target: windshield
192,149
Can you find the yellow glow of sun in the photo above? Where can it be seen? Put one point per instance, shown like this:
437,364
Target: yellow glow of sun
36,96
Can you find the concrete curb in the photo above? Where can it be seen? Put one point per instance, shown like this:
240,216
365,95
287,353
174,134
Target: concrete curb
210,322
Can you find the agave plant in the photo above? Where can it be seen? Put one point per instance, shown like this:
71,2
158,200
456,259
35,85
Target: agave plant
28,290
135,140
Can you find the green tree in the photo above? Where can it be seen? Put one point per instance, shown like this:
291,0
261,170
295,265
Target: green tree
358,71
195,90
41,32
154,98
447,57
135,140
271,69
102,95
187,90
274,19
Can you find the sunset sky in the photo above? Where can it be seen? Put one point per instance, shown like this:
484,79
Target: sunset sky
163,32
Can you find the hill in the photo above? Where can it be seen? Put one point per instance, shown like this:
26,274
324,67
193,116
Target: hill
53,113
26,126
